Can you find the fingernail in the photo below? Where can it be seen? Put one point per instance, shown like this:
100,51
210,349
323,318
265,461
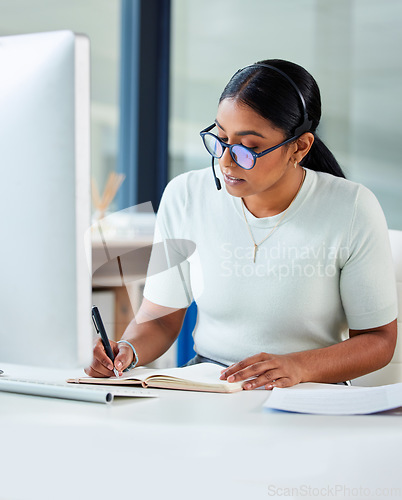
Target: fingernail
118,365
231,378
110,366
248,386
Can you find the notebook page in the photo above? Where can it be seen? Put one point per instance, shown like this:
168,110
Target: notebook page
202,372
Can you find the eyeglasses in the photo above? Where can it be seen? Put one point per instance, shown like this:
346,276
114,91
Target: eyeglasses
242,156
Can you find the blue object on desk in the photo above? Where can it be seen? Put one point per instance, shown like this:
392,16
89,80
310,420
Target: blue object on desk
185,343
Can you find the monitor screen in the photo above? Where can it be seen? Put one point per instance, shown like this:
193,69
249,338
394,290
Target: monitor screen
45,276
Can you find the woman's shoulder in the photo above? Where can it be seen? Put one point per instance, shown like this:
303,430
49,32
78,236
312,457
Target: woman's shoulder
197,182
344,198
186,189
343,190
332,182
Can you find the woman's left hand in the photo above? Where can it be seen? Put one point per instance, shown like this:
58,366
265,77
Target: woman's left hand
269,370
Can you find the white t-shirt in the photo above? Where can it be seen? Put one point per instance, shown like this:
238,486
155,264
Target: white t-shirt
327,266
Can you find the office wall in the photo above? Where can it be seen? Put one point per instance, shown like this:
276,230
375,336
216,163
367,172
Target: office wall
350,46
100,20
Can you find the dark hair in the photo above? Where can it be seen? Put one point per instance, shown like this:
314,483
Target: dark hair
274,98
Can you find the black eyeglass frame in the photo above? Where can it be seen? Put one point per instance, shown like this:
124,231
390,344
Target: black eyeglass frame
224,145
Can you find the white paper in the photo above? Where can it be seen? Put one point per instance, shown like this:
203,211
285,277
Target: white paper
201,372
342,401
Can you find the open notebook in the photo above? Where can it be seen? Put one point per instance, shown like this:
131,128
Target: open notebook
201,377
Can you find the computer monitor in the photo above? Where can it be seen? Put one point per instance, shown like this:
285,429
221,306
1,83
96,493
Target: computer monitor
45,204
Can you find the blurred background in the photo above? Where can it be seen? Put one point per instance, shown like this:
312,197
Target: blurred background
350,46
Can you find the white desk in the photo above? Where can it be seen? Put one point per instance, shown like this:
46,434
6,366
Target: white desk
190,445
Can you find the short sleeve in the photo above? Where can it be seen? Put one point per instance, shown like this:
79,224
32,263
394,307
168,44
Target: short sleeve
168,277
367,280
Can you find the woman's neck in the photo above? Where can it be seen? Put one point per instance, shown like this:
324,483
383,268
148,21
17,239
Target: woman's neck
277,198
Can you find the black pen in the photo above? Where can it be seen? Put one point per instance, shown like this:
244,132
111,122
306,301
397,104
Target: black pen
96,318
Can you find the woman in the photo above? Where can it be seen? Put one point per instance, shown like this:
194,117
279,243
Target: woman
292,272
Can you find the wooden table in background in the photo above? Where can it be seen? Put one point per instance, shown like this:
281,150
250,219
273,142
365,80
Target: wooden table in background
106,276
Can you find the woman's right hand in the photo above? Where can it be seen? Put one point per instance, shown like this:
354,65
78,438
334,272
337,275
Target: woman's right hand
102,366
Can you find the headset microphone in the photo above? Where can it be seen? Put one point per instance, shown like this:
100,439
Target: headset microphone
217,181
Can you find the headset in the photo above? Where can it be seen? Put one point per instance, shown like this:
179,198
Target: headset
301,129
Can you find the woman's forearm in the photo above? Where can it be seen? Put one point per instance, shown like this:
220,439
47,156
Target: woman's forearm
365,352
153,331
149,339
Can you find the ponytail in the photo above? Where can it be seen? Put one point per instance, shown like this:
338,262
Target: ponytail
320,159
277,95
